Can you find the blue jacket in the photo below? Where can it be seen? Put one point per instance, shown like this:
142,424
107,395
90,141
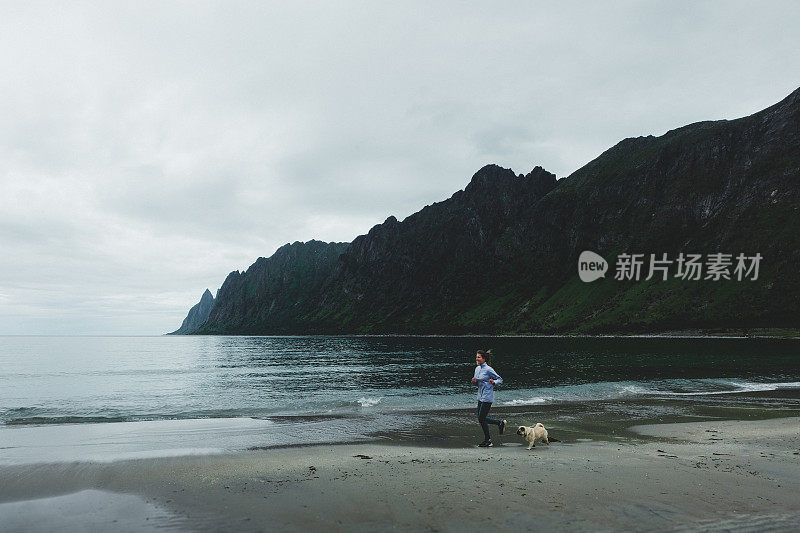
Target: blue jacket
485,389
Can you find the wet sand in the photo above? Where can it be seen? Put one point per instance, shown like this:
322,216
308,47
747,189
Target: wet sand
720,475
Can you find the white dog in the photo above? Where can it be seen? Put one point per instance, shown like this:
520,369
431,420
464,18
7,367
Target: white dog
532,434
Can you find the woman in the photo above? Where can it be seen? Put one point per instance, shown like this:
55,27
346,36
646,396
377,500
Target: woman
486,378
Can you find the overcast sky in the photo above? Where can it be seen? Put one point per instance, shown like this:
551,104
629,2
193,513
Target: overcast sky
148,149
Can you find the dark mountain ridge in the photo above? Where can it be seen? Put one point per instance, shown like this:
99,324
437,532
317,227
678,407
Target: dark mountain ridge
501,255
272,290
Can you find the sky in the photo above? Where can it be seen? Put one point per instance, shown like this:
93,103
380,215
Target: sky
147,149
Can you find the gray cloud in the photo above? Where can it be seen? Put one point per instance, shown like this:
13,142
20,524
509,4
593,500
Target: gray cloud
149,148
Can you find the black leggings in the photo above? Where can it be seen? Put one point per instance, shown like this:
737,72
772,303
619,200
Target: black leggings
483,418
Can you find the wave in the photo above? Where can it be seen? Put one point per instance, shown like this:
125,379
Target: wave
529,401
29,416
738,388
65,420
622,390
610,390
369,402
420,400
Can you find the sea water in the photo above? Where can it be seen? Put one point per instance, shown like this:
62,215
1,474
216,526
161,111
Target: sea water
98,398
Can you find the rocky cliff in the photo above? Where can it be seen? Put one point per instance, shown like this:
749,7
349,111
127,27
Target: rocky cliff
272,294
197,315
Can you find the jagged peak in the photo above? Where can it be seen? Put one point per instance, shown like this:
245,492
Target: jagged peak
539,173
489,176
491,171
300,244
493,176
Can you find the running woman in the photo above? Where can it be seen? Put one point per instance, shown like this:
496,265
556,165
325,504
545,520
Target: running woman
486,378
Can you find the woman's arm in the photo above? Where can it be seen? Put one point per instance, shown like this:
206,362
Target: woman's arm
496,379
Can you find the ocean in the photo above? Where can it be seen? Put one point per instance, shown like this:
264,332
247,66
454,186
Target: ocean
106,398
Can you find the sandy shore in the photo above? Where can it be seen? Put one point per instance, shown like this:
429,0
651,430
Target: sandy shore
721,475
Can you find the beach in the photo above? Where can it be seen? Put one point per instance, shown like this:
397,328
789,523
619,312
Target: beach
709,476
284,434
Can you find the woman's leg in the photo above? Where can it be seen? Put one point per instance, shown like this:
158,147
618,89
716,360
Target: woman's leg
490,419
483,410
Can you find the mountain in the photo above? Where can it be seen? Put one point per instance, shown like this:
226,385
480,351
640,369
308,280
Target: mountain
501,255
722,186
428,272
197,315
270,293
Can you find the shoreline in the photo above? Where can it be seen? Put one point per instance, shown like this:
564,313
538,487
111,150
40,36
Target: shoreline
732,333
713,474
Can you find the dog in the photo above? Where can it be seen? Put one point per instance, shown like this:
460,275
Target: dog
532,434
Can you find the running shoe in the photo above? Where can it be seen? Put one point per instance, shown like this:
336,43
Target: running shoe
485,444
